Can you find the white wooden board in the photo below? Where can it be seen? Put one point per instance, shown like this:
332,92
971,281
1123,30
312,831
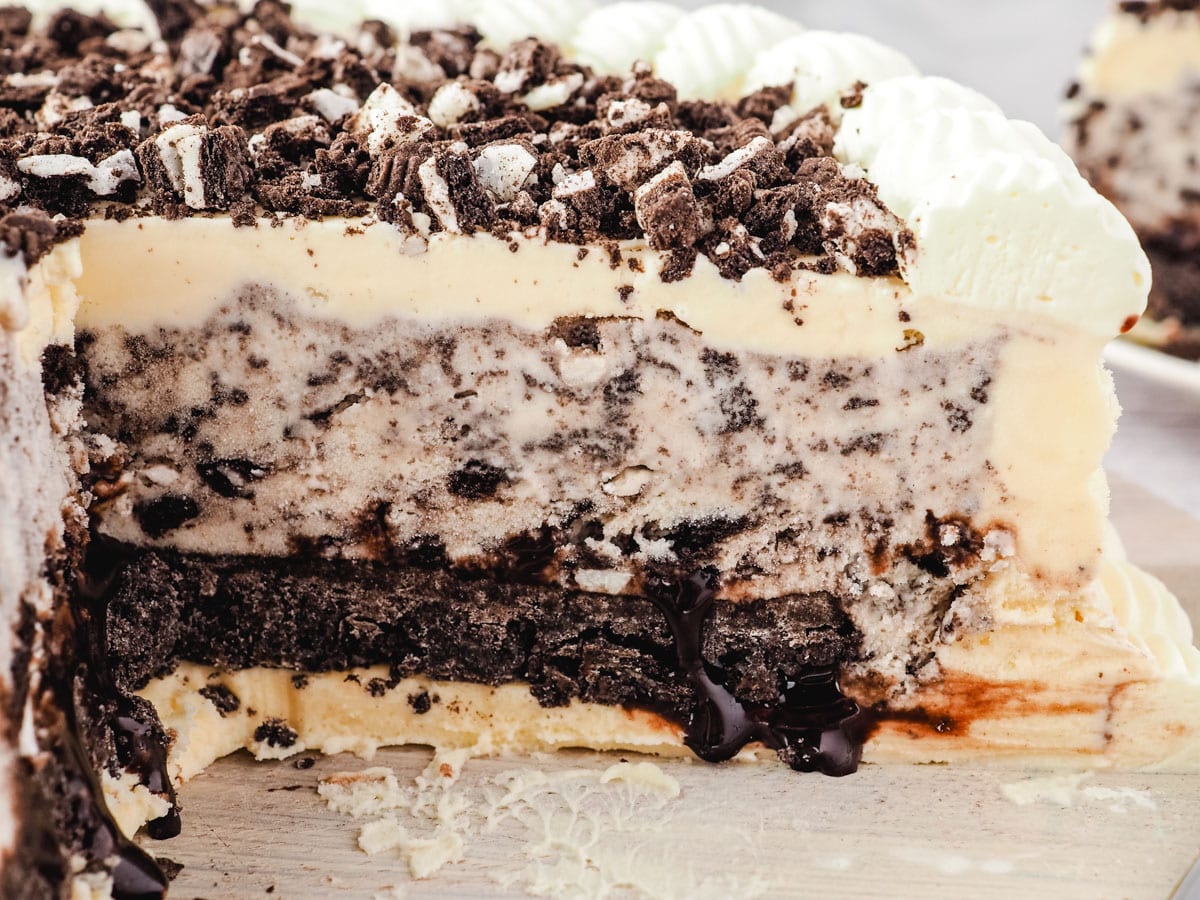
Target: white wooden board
258,830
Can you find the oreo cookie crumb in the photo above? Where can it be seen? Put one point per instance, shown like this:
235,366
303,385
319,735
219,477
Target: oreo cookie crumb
165,514
276,733
225,700
477,480
170,867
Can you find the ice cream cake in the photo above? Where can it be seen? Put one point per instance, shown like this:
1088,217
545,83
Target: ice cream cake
1132,128
538,376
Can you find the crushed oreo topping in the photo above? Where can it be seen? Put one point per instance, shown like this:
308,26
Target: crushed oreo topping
252,115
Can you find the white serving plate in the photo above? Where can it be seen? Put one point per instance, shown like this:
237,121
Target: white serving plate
1149,363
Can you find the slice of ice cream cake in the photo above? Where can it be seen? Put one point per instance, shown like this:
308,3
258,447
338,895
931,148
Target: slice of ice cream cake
740,395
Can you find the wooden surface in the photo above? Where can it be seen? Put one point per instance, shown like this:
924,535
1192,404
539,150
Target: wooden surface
916,832
744,830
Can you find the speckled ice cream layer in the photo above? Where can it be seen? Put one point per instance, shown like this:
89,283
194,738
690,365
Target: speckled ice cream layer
1141,151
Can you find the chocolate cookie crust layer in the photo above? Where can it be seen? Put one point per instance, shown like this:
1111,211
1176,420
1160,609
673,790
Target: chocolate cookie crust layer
320,615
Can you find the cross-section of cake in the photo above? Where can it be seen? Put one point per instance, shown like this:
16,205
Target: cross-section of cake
1134,128
668,383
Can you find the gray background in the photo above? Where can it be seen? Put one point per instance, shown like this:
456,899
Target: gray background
1021,53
